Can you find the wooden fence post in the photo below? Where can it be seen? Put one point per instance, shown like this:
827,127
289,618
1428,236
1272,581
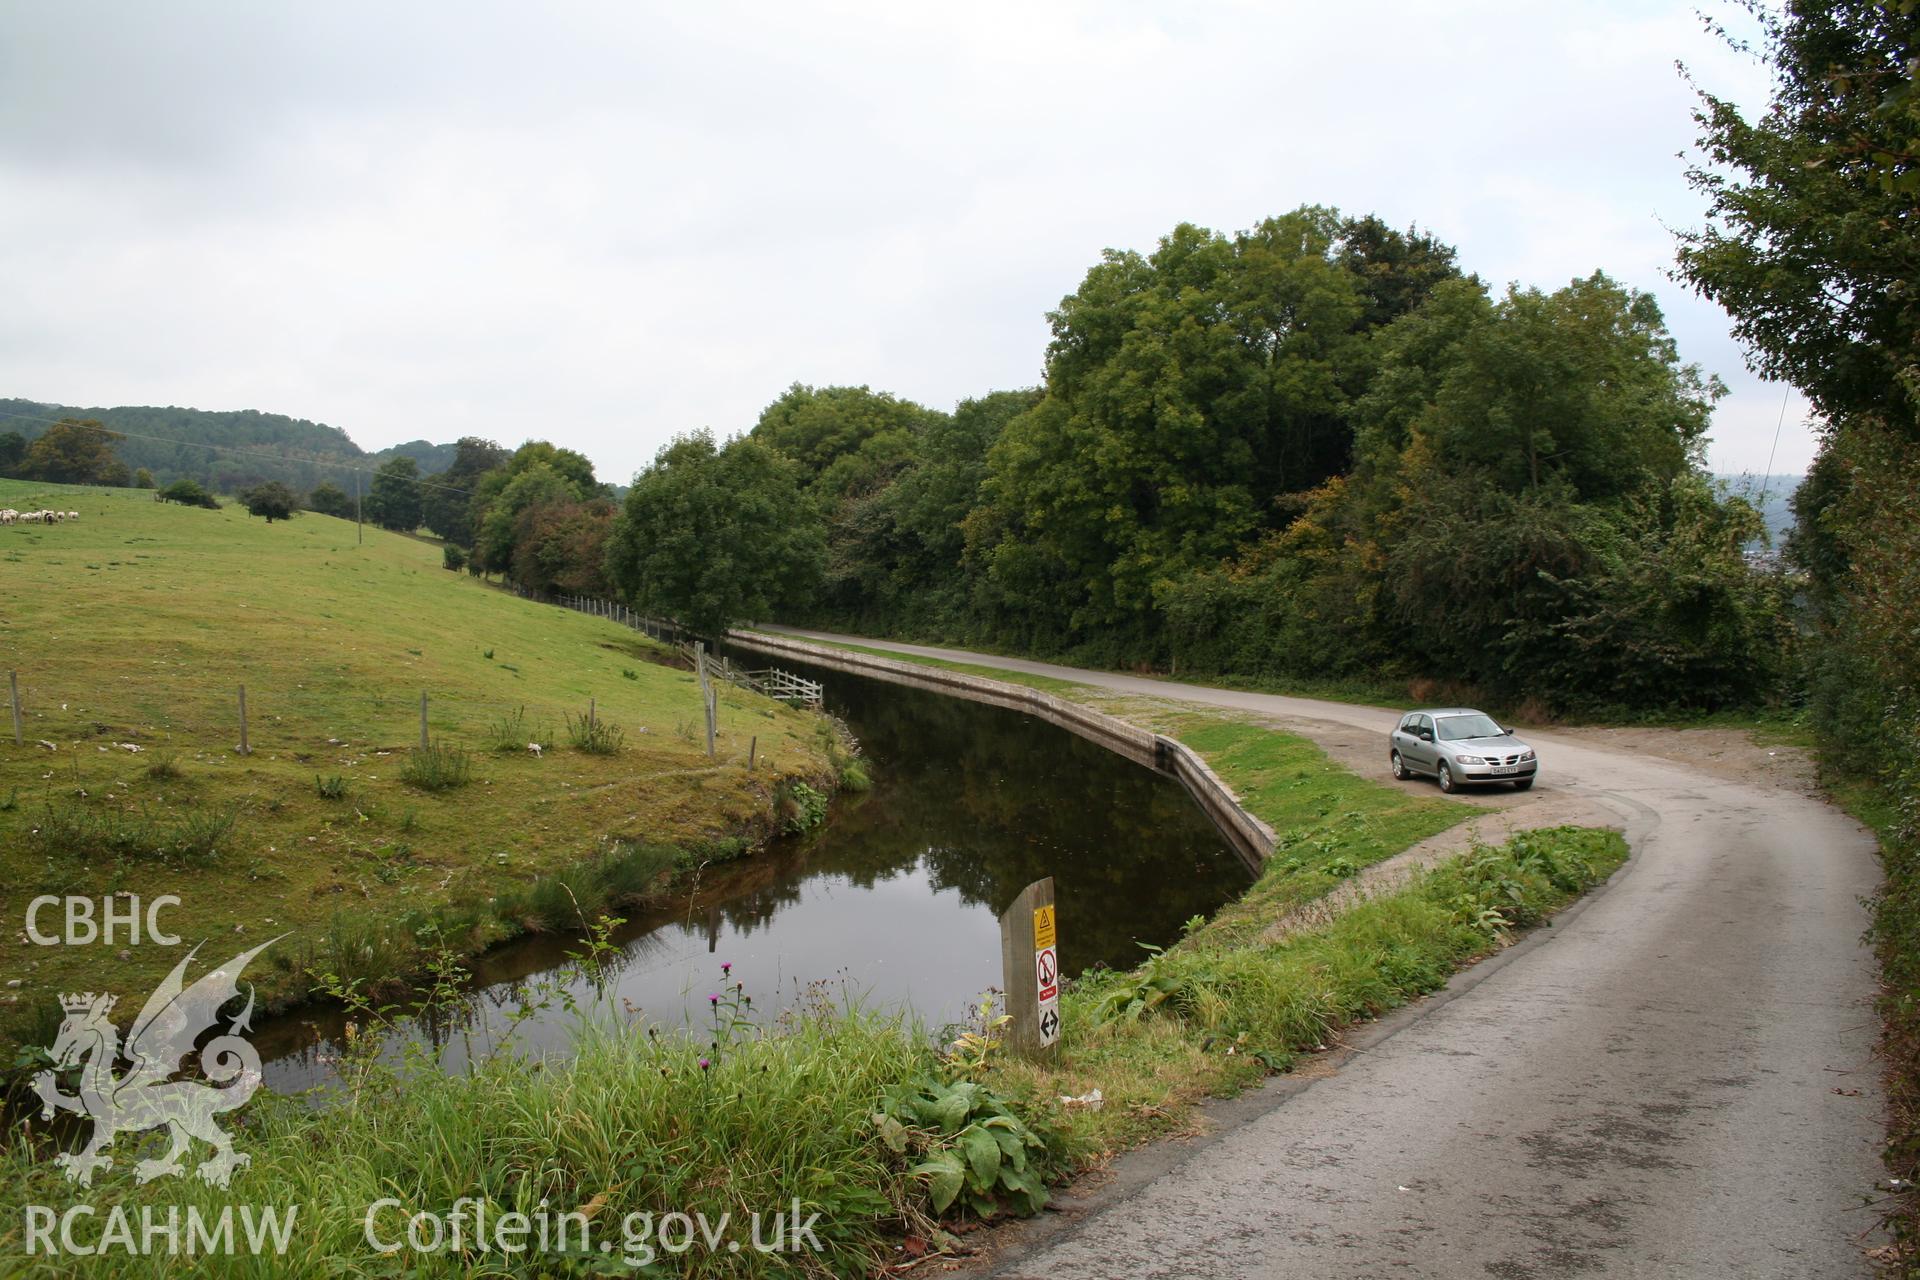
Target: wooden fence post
13,688
423,719
706,690
1030,968
753,744
245,750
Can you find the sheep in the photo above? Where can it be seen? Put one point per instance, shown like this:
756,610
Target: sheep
73,515
8,516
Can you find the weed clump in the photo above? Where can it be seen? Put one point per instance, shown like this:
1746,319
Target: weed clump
800,807
164,767
437,767
594,736
334,788
77,830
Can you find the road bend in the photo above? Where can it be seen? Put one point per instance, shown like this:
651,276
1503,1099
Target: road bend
1676,1081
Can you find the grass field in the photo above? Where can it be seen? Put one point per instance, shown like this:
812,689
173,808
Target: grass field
134,626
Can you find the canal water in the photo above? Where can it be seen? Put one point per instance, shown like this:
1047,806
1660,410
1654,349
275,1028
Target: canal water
893,902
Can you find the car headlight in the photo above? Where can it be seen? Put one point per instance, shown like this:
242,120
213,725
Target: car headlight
1526,755
1471,760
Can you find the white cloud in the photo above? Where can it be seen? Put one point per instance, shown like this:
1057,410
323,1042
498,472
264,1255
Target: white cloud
607,223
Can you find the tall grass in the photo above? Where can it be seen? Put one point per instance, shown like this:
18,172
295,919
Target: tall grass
438,766
631,1124
71,828
594,736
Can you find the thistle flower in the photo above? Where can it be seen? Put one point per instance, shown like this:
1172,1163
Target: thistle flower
704,1064
726,969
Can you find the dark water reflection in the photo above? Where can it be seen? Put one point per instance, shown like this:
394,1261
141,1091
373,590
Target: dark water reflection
895,900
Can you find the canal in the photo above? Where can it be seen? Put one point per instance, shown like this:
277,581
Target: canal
893,902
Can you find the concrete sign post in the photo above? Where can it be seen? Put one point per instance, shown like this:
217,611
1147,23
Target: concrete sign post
1030,967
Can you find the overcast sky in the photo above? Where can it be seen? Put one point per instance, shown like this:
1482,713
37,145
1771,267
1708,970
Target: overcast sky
606,223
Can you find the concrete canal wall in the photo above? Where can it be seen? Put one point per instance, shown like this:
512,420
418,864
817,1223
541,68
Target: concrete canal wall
1249,837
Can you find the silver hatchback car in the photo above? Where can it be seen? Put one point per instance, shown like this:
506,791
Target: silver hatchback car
1458,746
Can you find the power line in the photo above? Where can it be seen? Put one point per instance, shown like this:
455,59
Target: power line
1767,478
240,451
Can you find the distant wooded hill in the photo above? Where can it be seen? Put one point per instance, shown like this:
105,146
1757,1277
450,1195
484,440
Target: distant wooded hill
248,447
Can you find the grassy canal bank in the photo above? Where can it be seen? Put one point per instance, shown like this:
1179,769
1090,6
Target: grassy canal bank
862,1120
132,630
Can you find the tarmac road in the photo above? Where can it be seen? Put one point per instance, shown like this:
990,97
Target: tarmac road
1676,1081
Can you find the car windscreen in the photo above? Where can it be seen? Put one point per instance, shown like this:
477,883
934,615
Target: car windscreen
1454,728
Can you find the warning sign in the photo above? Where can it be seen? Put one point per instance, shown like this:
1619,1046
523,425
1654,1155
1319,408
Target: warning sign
1046,970
1043,931
1046,975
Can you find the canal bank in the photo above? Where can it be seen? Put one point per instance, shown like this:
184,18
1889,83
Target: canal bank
1251,838
890,903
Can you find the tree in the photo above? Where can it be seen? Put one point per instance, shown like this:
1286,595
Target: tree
330,499
537,473
1396,270
13,451
271,501
447,506
143,479
1185,393
843,439
713,535
1811,237
496,533
1583,384
561,546
394,500
188,493
75,451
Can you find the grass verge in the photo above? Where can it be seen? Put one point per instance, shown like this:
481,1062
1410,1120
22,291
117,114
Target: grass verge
1894,817
858,1119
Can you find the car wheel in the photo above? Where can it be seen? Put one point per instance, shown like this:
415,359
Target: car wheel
1522,784
1399,767
1446,778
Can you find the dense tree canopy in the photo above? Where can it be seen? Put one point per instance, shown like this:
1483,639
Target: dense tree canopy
536,475
714,535
393,501
447,505
271,501
75,451
1187,393
224,450
1812,244
330,499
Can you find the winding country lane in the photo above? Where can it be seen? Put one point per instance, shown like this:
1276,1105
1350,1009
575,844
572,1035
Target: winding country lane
1675,1081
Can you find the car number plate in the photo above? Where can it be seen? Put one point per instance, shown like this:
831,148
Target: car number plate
1506,768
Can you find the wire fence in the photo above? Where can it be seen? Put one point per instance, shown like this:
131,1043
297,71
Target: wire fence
159,702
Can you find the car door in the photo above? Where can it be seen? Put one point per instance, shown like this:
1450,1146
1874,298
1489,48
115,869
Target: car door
1417,744
1403,738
